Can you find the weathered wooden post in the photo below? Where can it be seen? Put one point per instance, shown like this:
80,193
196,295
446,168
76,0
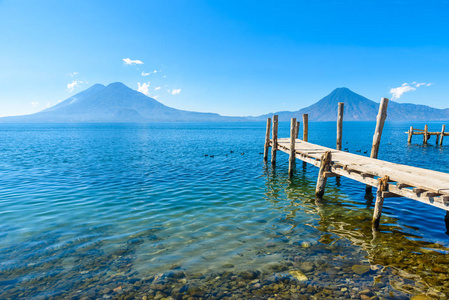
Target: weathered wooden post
274,134
425,137
322,179
380,121
267,140
410,134
442,134
340,124
305,132
297,129
291,159
381,188
305,129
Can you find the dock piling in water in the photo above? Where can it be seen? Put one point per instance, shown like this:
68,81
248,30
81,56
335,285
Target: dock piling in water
382,188
340,124
442,134
291,159
297,129
425,135
380,121
275,140
305,127
410,135
326,159
305,132
267,141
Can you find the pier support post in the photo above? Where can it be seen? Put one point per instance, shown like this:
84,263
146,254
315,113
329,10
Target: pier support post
410,134
381,188
305,132
442,134
291,160
297,129
267,141
340,124
305,127
425,136
380,121
324,167
274,145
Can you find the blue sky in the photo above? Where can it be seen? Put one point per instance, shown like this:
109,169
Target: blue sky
230,57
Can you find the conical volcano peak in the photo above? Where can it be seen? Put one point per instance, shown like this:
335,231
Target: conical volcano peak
342,91
117,85
115,102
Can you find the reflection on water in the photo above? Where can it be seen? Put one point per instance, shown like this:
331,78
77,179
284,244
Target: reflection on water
117,211
422,266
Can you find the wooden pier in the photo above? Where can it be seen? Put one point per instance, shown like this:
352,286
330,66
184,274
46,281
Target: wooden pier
427,134
390,179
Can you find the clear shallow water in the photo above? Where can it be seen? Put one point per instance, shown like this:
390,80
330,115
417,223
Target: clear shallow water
107,210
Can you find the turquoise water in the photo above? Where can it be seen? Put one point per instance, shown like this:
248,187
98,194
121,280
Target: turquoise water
139,210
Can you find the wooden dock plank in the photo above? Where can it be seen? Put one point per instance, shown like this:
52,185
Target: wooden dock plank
364,169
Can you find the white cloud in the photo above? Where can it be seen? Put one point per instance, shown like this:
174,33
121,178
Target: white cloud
165,76
149,73
71,86
35,103
144,88
157,88
175,91
73,74
155,97
129,61
48,104
405,88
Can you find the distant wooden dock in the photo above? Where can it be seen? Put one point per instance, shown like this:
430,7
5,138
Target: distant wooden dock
427,134
390,179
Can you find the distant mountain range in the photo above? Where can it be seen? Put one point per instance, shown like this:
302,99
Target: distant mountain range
119,103
359,108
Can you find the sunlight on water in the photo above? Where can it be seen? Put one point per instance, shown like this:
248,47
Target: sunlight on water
117,210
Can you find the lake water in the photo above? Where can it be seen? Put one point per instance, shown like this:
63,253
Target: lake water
126,211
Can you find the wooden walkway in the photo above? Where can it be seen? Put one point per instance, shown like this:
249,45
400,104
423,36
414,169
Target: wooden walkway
427,186
390,179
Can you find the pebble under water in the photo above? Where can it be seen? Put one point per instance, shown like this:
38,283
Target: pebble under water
190,211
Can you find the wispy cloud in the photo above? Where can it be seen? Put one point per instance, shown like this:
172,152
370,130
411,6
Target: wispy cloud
129,61
175,91
35,103
73,74
144,88
149,73
71,86
397,92
157,88
423,83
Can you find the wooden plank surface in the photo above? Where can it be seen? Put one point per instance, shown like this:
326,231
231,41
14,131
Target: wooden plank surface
428,180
